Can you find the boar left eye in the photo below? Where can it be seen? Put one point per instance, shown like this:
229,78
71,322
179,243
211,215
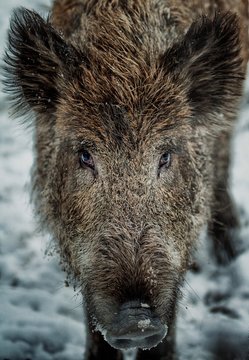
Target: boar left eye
86,159
165,160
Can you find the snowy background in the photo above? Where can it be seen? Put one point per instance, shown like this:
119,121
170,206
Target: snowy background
41,318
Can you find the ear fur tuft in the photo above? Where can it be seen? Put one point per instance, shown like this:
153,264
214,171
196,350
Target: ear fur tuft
36,56
208,63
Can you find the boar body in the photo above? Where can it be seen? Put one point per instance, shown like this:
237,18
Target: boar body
133,106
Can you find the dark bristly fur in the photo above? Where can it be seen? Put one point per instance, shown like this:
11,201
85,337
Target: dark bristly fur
131,81
36,57
209,54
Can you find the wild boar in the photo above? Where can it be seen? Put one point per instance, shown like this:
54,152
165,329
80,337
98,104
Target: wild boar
133,105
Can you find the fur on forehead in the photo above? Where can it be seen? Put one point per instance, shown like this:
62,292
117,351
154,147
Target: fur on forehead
97,105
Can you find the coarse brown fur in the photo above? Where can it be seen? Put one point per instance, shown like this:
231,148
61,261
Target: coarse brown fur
129,81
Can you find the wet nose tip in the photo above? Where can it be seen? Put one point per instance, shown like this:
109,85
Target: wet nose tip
135,338
136,327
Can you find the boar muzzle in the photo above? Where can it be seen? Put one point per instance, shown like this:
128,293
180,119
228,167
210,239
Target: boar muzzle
136,326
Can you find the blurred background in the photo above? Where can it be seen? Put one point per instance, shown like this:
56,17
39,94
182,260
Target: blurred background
42,319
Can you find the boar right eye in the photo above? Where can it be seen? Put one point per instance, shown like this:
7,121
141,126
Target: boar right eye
86,160
165,160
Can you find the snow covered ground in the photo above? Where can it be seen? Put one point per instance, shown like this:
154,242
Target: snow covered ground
41,318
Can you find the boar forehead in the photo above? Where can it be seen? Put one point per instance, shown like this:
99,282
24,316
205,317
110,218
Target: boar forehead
129,125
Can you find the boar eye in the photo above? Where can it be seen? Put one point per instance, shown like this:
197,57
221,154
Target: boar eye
165,160
86,159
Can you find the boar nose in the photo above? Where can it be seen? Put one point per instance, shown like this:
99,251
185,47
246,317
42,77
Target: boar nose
136,326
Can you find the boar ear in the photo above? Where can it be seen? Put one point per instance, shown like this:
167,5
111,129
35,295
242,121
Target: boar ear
36,57
208,64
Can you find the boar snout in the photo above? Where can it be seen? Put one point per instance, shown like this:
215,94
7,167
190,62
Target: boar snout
136,326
